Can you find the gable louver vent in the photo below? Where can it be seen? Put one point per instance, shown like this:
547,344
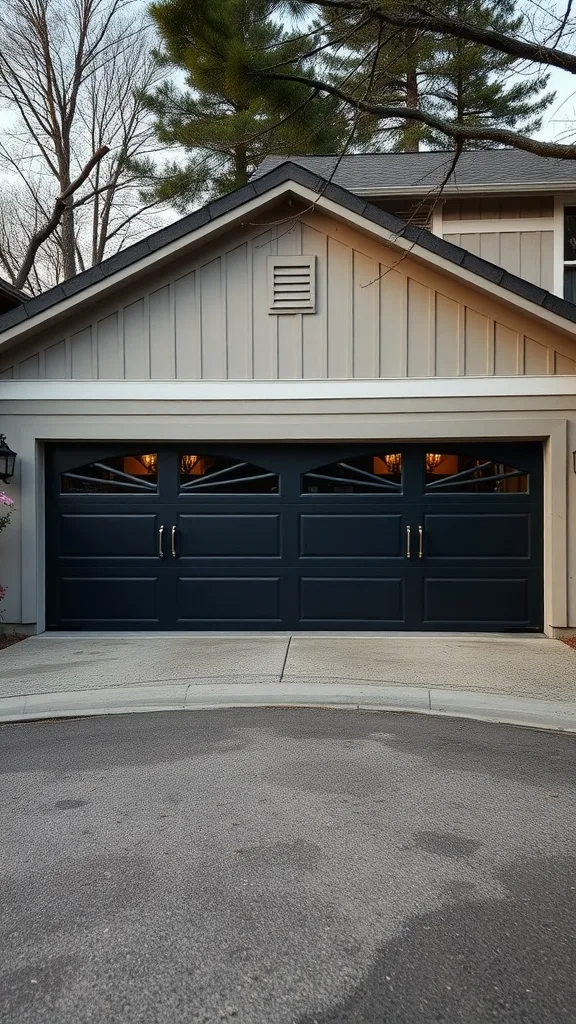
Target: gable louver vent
292,284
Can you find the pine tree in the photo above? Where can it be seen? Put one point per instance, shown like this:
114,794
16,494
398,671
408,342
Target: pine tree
449,77
387,68
223,125
478,86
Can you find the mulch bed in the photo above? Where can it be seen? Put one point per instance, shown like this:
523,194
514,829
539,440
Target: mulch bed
571,641
7,639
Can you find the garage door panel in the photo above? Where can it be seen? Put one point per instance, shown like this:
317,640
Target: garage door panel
257,537
228,599
108,536
115,599
343,536
485,536
352,598
470,600
229,536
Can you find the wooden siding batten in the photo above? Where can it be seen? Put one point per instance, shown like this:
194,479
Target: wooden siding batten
42,363
403,325
68,356
558,261
432,294
120,342
461,340
521,354
198,297
146,333
93,343
249,309
491,352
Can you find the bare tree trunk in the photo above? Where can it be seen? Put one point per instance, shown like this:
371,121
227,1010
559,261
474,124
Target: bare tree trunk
413,143
68,239
241,165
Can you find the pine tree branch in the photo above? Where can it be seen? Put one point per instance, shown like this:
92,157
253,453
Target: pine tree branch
415,16
458,132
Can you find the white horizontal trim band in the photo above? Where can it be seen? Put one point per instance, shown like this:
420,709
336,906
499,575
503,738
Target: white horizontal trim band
522,187
516,224
283,390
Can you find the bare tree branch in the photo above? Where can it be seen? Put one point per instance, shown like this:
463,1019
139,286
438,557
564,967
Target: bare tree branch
460,133
71,73
432,19
59,207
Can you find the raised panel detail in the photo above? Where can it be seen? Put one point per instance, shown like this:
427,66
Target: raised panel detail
235,536
351,599
350,536
228,599
109,599
103,536
468,600
483,536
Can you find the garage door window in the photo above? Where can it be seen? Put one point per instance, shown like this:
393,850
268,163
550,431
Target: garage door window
217,474
465,474
118,474
362,474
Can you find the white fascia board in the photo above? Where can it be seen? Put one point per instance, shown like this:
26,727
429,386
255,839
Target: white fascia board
477,227
462,190
285,390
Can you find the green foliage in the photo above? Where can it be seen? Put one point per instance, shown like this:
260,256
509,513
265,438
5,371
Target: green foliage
478,86
451,78
221,118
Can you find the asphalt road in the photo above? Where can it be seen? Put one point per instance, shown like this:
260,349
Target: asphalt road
286,867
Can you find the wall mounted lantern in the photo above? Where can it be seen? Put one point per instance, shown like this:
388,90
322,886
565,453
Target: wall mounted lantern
7,460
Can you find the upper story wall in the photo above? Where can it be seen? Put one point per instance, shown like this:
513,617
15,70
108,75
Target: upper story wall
514,232
379,314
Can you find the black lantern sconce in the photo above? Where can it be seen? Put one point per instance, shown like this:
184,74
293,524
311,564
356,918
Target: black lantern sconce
7,460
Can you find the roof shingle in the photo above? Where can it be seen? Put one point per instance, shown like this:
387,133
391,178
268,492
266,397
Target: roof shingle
475,168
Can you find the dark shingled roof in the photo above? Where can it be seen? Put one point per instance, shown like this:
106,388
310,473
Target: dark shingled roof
287,172
10,296
475,168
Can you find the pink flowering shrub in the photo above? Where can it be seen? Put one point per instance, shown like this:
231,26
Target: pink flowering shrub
6,510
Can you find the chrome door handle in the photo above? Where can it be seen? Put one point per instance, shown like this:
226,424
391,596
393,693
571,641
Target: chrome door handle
160,544
173,540
408,554
420,542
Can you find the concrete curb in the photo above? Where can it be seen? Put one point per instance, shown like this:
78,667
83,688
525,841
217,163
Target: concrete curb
487,707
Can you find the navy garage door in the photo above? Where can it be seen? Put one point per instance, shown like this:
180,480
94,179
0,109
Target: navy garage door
224,537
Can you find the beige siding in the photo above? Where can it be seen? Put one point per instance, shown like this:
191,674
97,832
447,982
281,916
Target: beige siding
379,314
528,254
498,208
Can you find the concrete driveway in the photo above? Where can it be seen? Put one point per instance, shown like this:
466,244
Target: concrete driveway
286,867
519,680
522,666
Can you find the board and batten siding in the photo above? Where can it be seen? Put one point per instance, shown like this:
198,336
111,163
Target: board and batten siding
379,314
498,208
528,254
